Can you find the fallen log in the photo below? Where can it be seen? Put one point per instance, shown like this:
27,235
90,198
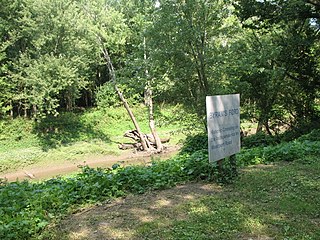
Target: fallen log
151,139
133,134
125,146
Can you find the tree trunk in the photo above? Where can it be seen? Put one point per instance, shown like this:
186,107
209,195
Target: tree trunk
263,123
11,109
233,165
25,111
133,119
35,111
123,100
149,103
260,125
148,95
266,125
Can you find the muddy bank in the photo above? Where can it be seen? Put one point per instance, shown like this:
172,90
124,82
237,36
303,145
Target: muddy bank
53,170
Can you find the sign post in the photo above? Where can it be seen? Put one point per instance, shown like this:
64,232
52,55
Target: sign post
223,121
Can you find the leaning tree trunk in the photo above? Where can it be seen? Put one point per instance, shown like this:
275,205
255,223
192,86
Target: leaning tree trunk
123,100
126,105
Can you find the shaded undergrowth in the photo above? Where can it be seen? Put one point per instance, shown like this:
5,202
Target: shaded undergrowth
66,129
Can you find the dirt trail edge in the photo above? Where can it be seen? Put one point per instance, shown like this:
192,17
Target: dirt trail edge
68,167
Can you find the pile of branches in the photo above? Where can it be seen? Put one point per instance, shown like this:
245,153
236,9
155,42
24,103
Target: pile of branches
133,134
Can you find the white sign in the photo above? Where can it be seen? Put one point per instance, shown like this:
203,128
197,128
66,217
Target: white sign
223,119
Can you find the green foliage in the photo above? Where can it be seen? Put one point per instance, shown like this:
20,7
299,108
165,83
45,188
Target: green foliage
287,151
50,63
48,77
195,143
262,148
26,208
51,54
312,136
304,128
187,39
281,81
200,142
106,96
259,139
51,58
274,12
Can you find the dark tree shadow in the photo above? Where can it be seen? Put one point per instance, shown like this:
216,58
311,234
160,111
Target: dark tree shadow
66,129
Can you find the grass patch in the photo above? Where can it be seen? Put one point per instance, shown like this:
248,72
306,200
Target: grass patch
74,136
278,203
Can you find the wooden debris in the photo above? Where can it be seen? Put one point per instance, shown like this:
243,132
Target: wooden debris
133,134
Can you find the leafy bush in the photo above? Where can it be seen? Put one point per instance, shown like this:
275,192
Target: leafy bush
106,96
200,142
300,130
290,151
263,139
259,139
312,136
195,143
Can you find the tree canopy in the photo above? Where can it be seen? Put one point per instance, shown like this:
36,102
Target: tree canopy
52,60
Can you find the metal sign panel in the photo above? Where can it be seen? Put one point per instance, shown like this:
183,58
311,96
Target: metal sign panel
223,119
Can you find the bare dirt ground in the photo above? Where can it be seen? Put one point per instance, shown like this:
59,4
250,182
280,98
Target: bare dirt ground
123,218
130,217
59,169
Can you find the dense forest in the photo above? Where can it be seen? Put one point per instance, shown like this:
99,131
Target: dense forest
70,55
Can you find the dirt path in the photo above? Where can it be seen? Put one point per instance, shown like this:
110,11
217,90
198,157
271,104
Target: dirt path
120,219
68,167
